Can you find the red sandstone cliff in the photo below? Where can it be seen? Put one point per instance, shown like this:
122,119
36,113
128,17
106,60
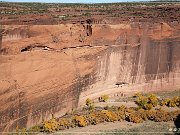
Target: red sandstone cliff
50,69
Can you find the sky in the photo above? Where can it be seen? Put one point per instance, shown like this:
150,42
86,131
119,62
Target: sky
74,1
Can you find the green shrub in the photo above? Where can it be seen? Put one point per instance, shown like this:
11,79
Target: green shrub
99,117
121,115
177,101
89,102
35,128
165,102
91,107
103,98
153,100
171,102
50,126
129,110
64,123
80,121
137,95
109,115
142,101
91,118
150,114
122,108
158,115
162,115
148,106
174,102
147,102
135,118
142,113
22,131
113,108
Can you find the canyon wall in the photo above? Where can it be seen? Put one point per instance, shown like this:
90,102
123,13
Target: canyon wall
1,31
52,69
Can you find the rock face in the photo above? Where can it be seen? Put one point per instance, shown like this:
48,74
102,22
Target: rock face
57,67
0,39
1,33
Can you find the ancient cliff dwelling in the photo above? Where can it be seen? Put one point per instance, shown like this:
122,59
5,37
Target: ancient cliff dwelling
53,57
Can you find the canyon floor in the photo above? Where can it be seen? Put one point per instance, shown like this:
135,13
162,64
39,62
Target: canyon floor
124,127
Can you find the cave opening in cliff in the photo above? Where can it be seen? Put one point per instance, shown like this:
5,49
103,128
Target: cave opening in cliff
121,84
28,48
39,47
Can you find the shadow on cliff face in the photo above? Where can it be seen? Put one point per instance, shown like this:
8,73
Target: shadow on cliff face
177,124
80,86
50,105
